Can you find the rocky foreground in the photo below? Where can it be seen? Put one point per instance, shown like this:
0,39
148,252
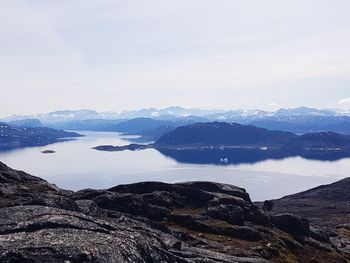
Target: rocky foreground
153,222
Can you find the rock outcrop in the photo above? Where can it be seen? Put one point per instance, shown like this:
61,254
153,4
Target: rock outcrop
150,222
327,205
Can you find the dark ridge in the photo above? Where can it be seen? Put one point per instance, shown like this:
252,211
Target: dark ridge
232,134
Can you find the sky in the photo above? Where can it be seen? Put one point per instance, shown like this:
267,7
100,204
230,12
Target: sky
126,54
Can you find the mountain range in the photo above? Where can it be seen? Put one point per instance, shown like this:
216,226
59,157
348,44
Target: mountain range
176,111
152,123
85,114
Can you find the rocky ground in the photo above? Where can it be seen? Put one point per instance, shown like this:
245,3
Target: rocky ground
152,222
325,205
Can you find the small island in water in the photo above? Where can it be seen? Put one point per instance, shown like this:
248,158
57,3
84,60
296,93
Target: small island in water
48,151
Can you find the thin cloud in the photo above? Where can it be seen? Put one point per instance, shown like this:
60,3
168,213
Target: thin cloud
116,55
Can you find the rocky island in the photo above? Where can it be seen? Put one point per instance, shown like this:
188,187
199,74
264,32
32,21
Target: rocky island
130,147
154,222
47,151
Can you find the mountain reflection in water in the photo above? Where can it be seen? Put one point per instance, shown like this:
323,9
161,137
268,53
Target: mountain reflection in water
235,156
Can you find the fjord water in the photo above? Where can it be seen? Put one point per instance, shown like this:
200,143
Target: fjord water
75,166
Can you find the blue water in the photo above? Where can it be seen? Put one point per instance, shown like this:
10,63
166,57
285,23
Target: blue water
76,166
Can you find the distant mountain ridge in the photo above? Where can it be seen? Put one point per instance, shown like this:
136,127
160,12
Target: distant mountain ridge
74,115
65,116
176,111
298,120
222,133
26,123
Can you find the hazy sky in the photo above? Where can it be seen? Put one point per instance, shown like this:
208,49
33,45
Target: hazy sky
116,55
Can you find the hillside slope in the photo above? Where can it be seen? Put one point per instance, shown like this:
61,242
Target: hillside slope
232,134
326,204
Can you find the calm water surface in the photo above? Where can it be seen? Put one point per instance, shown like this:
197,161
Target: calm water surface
76,166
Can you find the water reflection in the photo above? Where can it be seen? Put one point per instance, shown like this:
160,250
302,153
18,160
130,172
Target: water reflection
75,166
234,156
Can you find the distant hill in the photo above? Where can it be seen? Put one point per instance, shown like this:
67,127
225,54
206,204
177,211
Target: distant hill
298,120
320,140
152,129
86,125
149,129
26,123
139,125
304,123
12,137
232,134
222,133
154,134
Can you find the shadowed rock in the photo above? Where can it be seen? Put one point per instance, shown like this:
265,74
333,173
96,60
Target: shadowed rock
149,222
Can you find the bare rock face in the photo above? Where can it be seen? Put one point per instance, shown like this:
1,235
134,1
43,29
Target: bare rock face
327,205
45,234
20,188
292,224
150,222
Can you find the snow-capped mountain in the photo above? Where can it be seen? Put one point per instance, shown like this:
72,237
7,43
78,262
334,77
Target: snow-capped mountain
246,116
65,115
171,112
302,111
238,115
76,115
